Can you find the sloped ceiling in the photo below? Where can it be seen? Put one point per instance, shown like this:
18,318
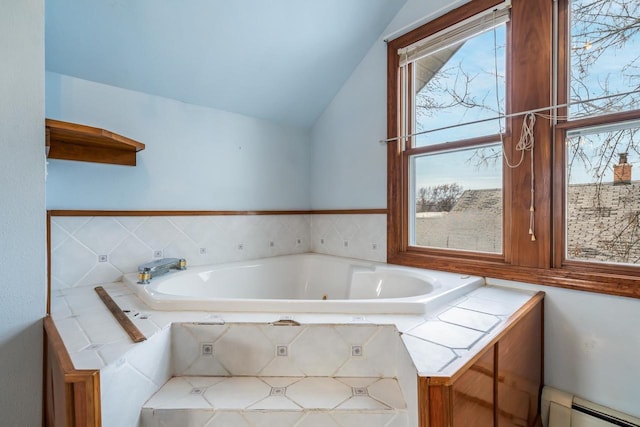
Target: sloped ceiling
280,60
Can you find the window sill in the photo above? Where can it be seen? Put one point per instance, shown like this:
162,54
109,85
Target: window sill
577,276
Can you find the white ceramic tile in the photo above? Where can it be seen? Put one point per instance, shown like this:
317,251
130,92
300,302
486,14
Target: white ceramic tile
356,335
470,319
483,305
273,419
281,365
407,377
102,325
71,223
355,419
318,393
197,228
130,223
362,403
182,247
157,232
498,293
86,359
178,393
446,334
127,256
357,381
319,351
152,357
244,350
172,417
203,382
84,299
58,234
379,355
402,419
317,419
275,403
101,234
227,419
74,337
115,380
387,391
101,273
281,335
280,381
114,351
71,261
186,349
59,307
237,393
428,358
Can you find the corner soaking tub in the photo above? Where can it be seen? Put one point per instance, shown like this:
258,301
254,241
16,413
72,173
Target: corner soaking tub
309,283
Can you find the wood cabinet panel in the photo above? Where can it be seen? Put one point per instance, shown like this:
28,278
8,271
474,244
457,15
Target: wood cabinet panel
520,372
473,394
71,396
500,386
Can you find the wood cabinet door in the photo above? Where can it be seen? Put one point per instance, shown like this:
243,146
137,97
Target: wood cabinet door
472,394
519,372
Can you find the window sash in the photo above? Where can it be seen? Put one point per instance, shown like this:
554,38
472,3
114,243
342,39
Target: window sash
464,30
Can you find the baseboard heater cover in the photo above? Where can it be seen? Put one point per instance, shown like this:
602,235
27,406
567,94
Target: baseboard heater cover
561,409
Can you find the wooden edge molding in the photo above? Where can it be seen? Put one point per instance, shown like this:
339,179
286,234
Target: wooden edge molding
70,396
64,212
126,323
56,341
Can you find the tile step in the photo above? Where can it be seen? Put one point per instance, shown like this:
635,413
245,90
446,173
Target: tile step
276,401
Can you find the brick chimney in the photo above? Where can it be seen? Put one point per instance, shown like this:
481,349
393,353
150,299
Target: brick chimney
622,171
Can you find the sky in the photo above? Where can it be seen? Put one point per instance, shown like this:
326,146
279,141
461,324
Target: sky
478,55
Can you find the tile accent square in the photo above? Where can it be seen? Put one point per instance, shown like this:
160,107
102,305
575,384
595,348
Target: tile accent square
359,391
356,350
207,349
282,350
278,391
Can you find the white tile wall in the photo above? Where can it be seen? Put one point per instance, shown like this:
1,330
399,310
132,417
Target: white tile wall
309,350
95,250
361,236
254,401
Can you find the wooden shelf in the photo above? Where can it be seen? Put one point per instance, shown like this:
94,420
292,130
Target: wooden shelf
71,141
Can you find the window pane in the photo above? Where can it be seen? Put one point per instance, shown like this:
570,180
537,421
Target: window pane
458,199
605,55
460,84
603,196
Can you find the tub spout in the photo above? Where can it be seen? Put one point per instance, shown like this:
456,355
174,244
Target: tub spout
156,268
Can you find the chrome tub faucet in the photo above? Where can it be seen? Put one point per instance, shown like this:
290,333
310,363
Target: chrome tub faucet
152,269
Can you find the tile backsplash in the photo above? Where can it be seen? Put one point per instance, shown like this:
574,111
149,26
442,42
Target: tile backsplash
88,250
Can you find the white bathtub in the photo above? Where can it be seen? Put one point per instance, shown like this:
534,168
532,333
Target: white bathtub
309,283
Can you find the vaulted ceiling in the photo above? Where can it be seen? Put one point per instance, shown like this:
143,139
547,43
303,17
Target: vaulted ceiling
280,60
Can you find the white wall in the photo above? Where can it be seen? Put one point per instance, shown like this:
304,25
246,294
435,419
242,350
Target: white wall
22,211
591,345
196,158
592,341
348,164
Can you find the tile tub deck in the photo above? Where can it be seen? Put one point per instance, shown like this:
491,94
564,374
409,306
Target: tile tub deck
377,347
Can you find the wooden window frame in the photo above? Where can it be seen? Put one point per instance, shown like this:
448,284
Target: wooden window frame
529,86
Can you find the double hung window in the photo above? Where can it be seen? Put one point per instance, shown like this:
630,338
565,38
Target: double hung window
514,131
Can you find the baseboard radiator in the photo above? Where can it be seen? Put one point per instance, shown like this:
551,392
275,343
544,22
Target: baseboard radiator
560,409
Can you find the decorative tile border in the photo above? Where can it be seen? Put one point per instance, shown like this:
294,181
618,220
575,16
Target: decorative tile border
90,250
267,350
379,402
